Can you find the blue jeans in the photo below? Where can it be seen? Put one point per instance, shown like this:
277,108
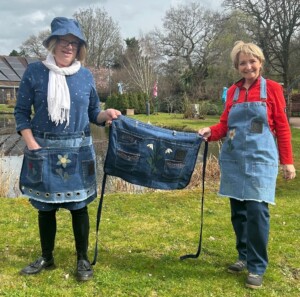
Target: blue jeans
251,223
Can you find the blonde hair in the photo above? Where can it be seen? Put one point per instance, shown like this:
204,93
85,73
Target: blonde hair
248,49
81,52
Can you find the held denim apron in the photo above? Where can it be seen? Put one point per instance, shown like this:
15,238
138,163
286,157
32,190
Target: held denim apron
249,156
151,156
63,170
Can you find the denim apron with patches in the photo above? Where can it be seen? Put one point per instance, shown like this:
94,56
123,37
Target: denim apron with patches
151,156
249,156
62,170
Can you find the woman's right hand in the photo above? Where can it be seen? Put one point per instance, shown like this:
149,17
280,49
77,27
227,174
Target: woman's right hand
34,146
205,132
30,141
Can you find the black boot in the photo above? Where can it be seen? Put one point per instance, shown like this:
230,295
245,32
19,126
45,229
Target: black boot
47,228
81,228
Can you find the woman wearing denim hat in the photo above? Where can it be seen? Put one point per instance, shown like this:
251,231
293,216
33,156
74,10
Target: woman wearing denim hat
255,124
59,169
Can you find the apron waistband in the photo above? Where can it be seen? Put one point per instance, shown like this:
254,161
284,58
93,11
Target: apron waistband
61,136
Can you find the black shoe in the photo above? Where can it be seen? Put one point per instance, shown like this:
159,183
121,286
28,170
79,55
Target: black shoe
38,266
84,270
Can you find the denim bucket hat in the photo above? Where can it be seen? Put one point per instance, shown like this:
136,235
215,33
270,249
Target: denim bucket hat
61,26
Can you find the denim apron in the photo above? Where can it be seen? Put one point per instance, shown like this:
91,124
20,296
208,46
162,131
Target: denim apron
151,156
62,170
249,156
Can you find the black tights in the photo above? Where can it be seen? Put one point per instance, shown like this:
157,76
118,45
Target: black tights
81,227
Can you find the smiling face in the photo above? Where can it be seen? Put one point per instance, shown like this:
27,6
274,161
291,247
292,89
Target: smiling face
66,50
249,67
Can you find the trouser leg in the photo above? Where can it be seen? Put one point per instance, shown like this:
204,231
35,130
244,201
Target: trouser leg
239,223
258,234
81,228
47,228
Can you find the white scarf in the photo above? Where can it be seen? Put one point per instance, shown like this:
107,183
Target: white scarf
58,91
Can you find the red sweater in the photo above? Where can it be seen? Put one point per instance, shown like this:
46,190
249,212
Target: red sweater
277,118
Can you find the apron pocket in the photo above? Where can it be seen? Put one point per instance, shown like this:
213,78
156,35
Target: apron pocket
32,168
127,150
63,163
173,169
127,138
125,160
264,174
87,162
89,172
174,162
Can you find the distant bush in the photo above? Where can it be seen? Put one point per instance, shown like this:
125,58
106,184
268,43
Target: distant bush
212,109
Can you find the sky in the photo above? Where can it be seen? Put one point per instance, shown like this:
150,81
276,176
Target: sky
19,19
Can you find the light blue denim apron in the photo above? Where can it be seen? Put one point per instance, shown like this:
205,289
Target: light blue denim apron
249,156
63,170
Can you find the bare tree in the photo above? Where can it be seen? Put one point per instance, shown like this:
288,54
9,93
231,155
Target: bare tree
185,41
294,60
138,67
274,23
33,46
186,31
102,35
230,28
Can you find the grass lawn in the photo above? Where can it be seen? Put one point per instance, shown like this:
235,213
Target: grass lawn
142,237
176,121
4,108
141,240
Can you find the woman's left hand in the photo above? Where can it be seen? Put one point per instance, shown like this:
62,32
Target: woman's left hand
111,114
289,171
108,115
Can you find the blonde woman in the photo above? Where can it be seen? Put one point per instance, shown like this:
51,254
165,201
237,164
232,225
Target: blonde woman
256,128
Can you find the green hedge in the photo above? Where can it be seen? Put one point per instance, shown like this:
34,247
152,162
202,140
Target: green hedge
136,101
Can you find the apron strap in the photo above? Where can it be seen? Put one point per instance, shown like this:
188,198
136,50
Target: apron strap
202,207
263,90
236,94
99,217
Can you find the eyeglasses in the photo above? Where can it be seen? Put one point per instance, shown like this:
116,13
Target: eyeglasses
66,43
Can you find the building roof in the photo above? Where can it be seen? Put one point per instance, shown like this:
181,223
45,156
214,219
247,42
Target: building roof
12,69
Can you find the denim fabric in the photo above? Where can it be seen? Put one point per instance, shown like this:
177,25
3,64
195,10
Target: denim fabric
251,223
61,26
151,156
249,156
63,170
32,96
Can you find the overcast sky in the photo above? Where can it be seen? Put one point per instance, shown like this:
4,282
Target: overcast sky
21,18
